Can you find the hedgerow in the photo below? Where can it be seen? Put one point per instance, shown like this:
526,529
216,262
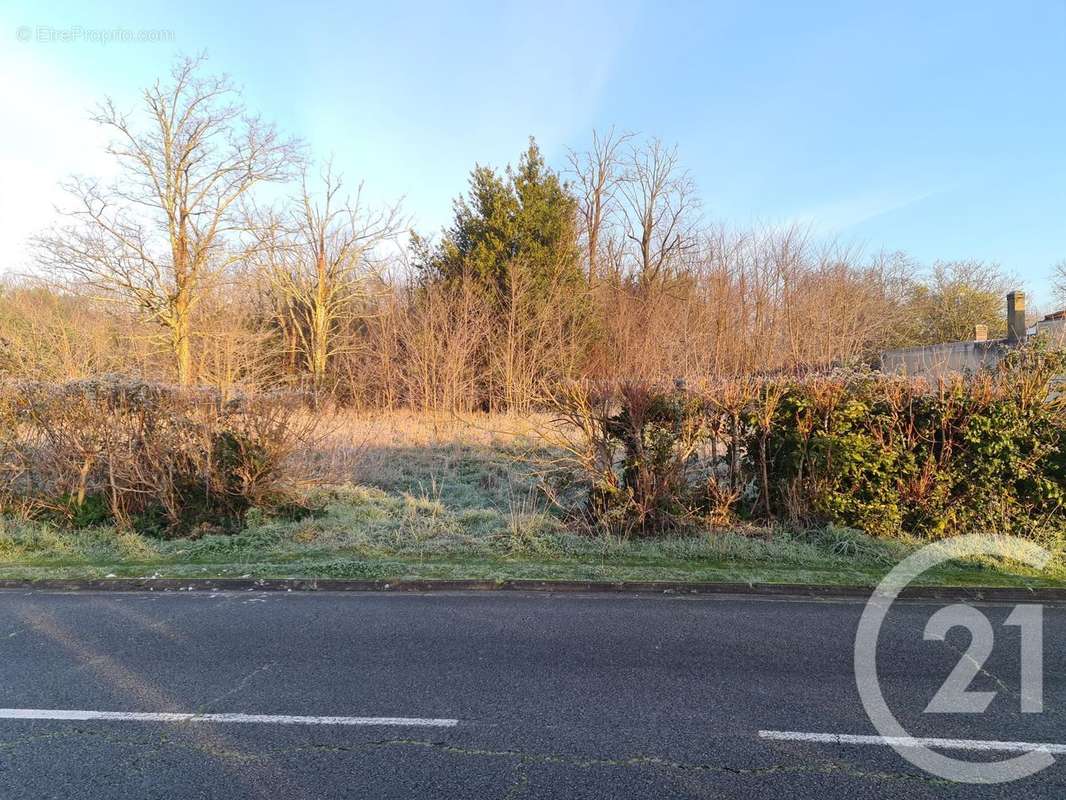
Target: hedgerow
886,454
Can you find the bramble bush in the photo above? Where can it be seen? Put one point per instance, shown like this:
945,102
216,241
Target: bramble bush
981,452
159,459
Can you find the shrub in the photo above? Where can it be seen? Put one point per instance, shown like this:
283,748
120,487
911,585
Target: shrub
150,456
885,454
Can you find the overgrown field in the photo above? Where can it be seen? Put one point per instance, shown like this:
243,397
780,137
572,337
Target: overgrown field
403,495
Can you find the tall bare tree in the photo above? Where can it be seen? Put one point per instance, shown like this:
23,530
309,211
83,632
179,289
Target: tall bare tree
156,237
659,209
318,257
598,171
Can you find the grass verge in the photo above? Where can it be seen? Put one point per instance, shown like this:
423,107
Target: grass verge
452,503
368,534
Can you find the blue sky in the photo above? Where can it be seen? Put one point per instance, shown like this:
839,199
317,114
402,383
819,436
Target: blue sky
935,128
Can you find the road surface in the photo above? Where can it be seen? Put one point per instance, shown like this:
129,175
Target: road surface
497,695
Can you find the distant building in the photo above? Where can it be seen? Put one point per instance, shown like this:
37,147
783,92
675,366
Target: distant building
980,351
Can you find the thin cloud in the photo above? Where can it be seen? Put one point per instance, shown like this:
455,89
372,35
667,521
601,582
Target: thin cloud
839,216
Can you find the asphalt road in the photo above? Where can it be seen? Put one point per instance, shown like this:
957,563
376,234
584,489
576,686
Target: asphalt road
554,695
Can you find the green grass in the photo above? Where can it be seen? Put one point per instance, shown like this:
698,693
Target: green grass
469,510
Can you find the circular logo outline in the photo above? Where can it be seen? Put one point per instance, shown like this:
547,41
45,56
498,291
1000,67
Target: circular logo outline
865,660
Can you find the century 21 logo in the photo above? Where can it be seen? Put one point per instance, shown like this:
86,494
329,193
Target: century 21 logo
955,696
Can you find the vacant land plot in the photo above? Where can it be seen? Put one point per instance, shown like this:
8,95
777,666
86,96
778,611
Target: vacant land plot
407,496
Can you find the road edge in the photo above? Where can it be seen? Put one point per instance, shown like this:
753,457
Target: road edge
1002,594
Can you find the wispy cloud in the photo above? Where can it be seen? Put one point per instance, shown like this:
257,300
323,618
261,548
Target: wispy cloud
838,216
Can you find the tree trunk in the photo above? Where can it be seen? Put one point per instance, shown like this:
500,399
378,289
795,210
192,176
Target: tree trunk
182,350
320,322
319,347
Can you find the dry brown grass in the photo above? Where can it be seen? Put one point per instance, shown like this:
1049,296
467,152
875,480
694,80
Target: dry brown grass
359,443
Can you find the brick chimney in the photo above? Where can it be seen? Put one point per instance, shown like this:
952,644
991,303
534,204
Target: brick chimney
1016,317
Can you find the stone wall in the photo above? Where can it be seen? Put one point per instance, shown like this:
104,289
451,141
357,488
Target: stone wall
942,359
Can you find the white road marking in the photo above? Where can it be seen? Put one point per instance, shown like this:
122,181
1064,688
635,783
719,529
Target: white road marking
914,741
268,719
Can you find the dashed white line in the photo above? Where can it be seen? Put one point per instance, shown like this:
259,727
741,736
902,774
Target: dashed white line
261,719
914,741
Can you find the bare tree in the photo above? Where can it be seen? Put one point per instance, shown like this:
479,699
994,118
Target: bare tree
598,172
955,296
1058,282
232,338
46,335
318,256
659,209
169,224
442,336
